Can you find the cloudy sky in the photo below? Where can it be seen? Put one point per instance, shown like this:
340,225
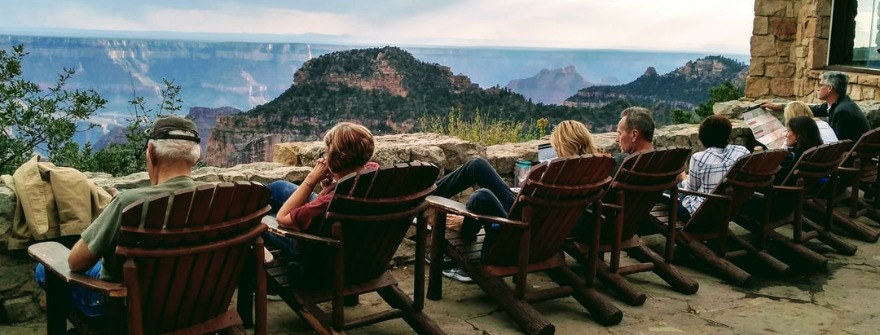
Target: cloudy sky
681,25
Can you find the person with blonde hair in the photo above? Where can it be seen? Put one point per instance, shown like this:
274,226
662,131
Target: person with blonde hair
349,148
494,196
797,108
571,138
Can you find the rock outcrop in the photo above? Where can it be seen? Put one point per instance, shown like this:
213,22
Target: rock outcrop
550,86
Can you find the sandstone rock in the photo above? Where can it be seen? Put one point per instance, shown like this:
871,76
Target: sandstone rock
782,87
760,25
134,180
264,172
7,208
730,109
763,46
757,87
770,7
21,309
17,287
784,28
504,156
872,112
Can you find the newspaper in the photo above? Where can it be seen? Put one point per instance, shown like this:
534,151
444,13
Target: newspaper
767,128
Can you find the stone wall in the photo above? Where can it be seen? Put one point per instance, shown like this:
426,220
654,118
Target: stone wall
20,299
789,51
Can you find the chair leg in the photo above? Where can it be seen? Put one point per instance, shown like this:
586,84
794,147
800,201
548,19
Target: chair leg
57,305
761,255
855,228
438,243
245,299
830,239
601,309
626,291
669,273
813,258
523,313
731,273
418,320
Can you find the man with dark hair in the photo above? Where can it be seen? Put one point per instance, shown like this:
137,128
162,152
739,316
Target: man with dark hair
845,117
635,133
708,167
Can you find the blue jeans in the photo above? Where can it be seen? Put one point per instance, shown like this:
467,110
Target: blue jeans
493,198
282,190
90,303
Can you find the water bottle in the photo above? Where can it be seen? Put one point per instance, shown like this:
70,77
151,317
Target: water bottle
521,172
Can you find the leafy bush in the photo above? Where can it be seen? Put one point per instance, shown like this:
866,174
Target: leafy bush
121,159
478,129
723,92
36,119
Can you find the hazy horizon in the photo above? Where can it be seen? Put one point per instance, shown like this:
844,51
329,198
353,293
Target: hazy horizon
705,26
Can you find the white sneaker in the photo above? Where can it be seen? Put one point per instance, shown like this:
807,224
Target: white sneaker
457,274
273,297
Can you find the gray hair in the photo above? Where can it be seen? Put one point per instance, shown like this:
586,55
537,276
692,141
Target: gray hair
177,150
838,81
639,118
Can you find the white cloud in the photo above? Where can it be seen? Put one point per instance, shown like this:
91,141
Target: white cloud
704,25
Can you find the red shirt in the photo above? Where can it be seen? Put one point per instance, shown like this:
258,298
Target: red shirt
312,212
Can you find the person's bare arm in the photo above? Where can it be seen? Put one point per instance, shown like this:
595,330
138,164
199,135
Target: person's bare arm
772,106
302,193
81,259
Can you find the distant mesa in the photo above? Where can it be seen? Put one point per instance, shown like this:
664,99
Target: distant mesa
550,86
385,89
684,87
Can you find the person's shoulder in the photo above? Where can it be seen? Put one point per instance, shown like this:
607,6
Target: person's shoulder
739,149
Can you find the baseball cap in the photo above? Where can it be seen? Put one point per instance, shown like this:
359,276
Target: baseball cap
163,127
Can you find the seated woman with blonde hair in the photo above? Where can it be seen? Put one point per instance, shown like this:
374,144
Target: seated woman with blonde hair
797,108
494,196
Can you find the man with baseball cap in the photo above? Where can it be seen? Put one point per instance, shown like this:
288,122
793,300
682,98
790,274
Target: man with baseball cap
171,151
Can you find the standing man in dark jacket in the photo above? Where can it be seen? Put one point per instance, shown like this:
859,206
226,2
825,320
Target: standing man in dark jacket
844,116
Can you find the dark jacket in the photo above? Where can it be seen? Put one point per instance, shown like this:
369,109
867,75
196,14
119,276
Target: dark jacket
845,117
794,153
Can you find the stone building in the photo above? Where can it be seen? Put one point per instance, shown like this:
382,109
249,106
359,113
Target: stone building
795,41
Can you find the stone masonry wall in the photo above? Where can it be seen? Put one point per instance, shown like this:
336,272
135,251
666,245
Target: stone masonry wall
789,48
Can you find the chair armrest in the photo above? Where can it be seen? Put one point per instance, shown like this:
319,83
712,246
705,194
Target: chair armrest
53,256
454,207
705,195
277,229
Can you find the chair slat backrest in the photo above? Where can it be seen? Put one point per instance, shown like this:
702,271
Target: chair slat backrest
749,174
643,177
189,248
863,153
371,212
816,165
553,198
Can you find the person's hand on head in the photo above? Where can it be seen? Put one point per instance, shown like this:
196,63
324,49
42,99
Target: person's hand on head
319,173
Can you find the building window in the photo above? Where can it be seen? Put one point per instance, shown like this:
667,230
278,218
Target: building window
854,39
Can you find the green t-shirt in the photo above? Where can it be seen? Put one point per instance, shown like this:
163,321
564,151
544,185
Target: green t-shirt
101,235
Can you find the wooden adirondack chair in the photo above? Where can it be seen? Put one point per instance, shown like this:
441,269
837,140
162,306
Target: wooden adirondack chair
530,239
638,185
793,200
858,168
365,223
180,269
710,224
